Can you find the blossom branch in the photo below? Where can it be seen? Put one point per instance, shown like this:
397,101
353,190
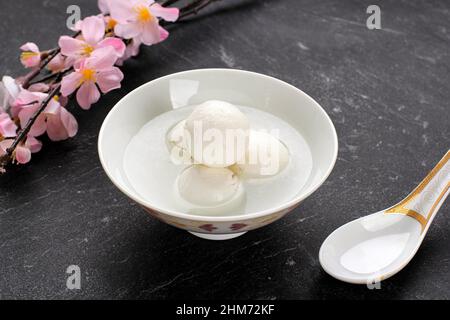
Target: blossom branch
194,7
169,2
87,74
23,133
37,71
46,78
52,54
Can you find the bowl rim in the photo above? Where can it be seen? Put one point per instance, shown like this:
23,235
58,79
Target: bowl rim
231,218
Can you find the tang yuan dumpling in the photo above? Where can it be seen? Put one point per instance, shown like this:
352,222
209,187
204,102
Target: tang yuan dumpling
217,134
266,156
207,187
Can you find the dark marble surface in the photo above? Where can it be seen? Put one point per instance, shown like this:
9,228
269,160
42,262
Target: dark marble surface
387,92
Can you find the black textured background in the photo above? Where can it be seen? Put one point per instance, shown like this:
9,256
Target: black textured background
387,92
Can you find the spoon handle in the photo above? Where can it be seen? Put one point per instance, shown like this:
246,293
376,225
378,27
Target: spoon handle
424,202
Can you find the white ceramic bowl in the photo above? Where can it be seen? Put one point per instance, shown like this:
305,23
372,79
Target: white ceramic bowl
237,87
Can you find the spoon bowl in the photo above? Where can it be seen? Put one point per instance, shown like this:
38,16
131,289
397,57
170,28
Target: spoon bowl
384,245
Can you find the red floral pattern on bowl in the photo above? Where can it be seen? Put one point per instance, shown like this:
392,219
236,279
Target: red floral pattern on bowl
208,227
238,226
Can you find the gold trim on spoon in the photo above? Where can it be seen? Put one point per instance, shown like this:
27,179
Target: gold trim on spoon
401,208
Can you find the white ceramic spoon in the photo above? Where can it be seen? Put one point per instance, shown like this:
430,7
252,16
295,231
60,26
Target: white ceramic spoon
377,246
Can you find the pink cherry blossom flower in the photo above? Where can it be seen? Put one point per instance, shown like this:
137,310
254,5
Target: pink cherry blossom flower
26,105
39,87
132,50
59,63
8,128
63,101
30,56
138,19
9,90
92,33
59,123
98,70
103,5
22,153
39,126
110,23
